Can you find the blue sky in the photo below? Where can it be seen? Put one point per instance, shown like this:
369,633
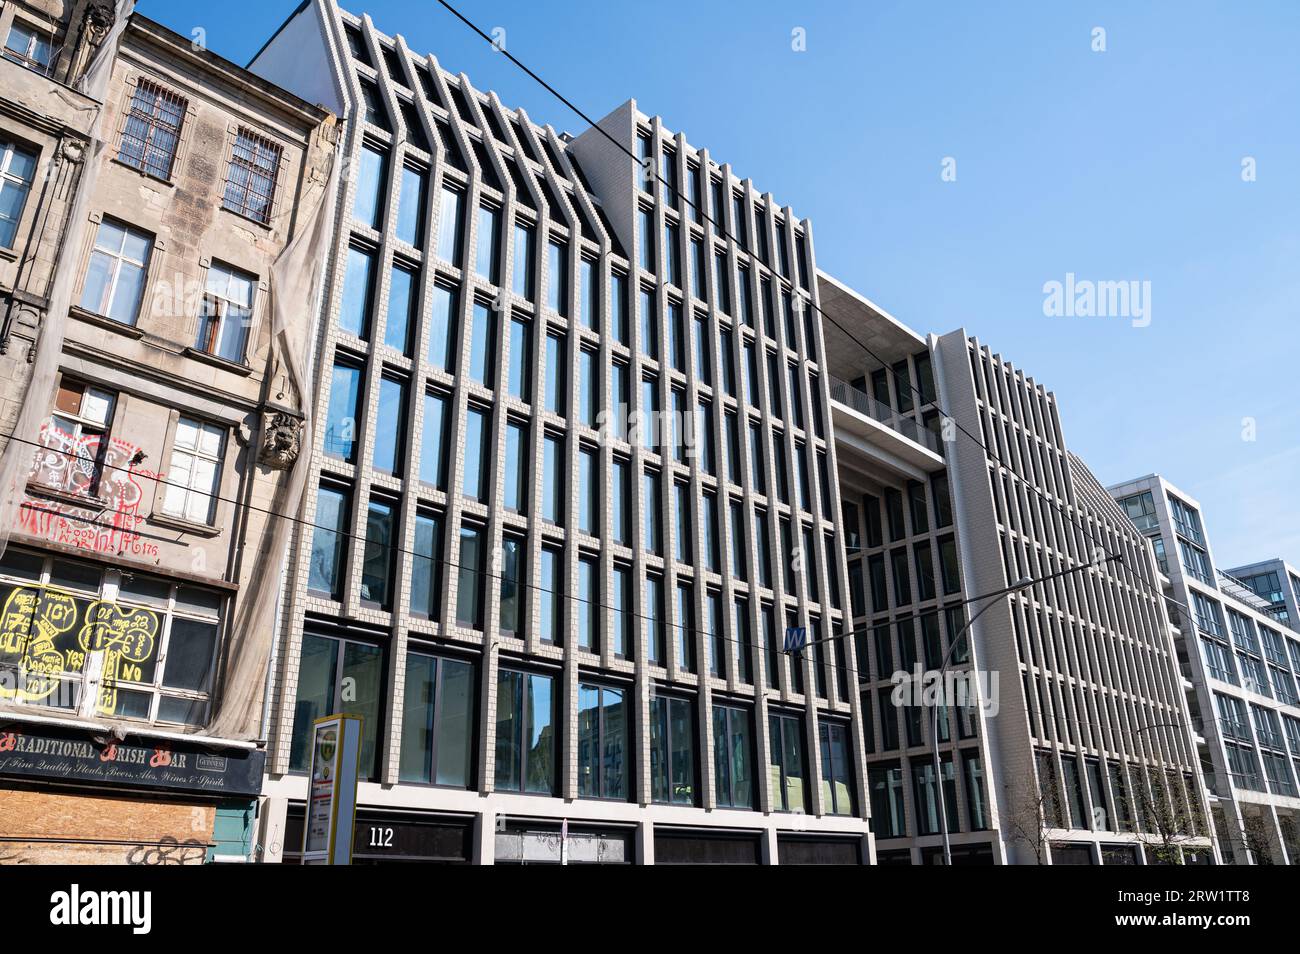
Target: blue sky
1117,165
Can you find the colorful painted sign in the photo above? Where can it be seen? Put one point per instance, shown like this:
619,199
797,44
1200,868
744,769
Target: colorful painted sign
47,636
332,796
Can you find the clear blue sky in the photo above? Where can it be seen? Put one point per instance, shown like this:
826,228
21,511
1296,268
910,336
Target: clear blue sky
1119,165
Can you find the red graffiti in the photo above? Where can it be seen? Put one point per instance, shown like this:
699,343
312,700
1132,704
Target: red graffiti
73,467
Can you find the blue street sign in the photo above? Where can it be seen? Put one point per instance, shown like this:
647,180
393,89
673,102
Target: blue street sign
796,637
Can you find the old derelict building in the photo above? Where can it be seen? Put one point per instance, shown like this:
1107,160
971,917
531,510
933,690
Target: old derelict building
140,343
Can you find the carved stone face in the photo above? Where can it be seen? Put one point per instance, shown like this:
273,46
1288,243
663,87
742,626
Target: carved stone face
282,440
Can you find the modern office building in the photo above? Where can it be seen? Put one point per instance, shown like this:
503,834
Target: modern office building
1240,663
572,481
150,189
956,482
1278,584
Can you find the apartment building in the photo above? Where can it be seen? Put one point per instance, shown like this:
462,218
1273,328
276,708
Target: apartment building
1240,662
155,188
572,484
1072,744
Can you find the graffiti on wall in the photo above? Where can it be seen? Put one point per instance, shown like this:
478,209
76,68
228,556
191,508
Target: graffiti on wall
47,635
107,474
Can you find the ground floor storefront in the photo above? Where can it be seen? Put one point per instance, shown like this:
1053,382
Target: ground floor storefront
73,795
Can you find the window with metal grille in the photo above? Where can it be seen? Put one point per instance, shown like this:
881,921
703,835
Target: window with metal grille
152,130
250,183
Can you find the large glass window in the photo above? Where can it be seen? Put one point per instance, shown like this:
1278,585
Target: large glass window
116,274
525,733
510,616
480,345
226,313
887,815
733,757
522,281
555,373
437,721
589,292
443,319
195,471
433,456
557,284
449,228
786,763
474,482
17,170
402,306
325,570
469,588
602,743
588,605
410,206
426,566
377,559
837,778
368,204
390,438
338,675
485,258
516,479
28,47
553,487
358,286
656,643
672,751
550,584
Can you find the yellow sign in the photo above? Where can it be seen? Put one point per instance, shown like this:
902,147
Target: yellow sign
48,634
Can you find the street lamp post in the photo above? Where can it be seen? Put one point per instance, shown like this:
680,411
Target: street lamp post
943,668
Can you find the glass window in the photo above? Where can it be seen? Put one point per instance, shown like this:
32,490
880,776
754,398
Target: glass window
588,608
116,275
226,313
732,764
337,675
589,512
474,483
652,532
368,204
437,721
442,320
358,286
449,227
516,479
28,47
588,394
510,615
153,130
469,591
552,478
389,439
620,324
555,373
551,587
480,347
623,611
620,503
17,171
786,763
410,206
837,787
656,643
646,239
426,566
557,284
433,457
485,258
195,471
672,751
589,284
685,627
520,383
525,733
402,305
377,558
522,282
331,527
649,323
602,743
